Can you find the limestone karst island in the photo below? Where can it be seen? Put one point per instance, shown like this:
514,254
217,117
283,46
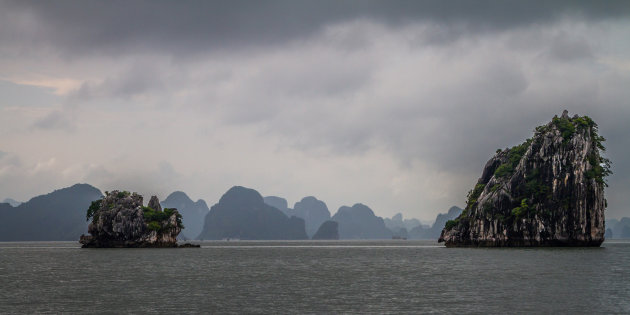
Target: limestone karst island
121,220
547,191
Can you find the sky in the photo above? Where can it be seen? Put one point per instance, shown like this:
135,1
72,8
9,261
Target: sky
393,104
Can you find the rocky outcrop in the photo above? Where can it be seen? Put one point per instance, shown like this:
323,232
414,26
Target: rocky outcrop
154,203
329,230
548,191
242,214
359,222
121,220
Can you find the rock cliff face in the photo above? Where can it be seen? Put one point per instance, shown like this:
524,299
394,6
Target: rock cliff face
121,220
548,191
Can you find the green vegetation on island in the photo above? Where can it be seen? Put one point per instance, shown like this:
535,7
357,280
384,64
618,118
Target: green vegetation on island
557,175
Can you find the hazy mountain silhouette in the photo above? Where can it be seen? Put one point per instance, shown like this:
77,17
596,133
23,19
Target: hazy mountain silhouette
620,229
359,222
609,234
329,230
424,233
193,213
242,213
12,202
280,204
57,216
400,233
396,223
313,211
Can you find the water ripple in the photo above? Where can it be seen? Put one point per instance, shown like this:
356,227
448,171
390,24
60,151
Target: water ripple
371,277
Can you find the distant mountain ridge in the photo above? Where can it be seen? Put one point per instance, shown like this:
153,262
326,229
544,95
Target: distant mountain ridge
60,215
57,216
12,202
312,210
329,230
360,222
241,213
396,222
619,229
422,232
280,204
193,212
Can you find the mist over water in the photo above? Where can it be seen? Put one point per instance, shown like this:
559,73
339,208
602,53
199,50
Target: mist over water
313,277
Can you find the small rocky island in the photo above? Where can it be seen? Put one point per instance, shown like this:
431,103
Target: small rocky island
121,220
547,191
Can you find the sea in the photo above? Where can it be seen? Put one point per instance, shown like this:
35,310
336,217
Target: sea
314,277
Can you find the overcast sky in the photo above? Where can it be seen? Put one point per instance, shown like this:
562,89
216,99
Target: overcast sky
394,104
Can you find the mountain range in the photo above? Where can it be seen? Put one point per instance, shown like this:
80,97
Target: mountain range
313,211
241,213
423,232
193,212
618,229
59,215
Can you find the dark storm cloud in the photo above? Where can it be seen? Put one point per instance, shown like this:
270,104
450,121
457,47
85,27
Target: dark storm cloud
112,27
403,101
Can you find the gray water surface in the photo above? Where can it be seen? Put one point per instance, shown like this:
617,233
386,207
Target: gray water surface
313,277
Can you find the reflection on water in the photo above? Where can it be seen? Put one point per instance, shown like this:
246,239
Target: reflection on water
316,277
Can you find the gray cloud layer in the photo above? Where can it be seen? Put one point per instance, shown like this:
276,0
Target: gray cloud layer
112,27
394,104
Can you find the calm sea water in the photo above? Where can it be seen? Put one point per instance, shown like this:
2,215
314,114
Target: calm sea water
313,277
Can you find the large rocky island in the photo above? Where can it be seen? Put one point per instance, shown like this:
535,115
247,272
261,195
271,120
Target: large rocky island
121,220
548,191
